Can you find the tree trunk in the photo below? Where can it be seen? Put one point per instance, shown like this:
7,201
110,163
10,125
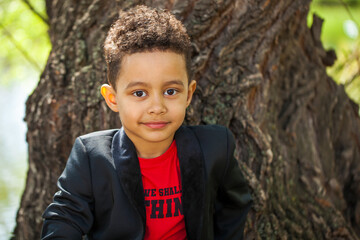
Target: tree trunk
260,70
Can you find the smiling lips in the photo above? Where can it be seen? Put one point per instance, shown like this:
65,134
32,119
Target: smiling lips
156,125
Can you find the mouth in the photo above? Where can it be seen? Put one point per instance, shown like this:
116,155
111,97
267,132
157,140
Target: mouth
156,125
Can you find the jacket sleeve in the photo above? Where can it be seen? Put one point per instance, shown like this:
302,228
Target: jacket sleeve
70,216
234,199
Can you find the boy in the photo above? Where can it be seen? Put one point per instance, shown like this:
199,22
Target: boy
153,178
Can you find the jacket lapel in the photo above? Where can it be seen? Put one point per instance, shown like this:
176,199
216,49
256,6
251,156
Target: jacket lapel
128,169
192,180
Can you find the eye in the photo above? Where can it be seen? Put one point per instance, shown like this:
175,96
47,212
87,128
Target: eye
139,93
170,91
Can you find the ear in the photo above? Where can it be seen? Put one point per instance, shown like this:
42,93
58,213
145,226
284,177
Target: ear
109,94
191,90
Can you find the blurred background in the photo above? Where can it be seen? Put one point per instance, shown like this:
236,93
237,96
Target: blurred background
24,48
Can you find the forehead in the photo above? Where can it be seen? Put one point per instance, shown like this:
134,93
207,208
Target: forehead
152,66
166,58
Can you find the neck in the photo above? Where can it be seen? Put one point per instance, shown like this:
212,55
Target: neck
152,150
146,149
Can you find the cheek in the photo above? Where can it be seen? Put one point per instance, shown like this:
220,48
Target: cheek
128,112
179,111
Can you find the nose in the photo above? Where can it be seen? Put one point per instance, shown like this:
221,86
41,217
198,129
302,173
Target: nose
157,105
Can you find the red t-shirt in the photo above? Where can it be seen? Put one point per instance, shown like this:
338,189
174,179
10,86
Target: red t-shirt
162,190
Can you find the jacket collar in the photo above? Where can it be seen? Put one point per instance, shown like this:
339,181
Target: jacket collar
192,176
128,169
192,180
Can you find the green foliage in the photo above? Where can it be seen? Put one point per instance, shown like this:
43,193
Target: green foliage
337,2
347,71
24,42
341,32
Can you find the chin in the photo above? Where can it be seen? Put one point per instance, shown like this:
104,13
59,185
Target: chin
157,136
156,139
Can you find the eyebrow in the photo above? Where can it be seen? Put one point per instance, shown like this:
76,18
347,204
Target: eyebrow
176,82
132,84
139,83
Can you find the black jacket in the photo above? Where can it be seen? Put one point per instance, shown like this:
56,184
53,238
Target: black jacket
101,194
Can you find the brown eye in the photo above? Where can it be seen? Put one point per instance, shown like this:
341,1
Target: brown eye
139,94
170,92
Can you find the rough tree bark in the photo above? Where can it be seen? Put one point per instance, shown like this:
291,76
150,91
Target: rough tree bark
260,71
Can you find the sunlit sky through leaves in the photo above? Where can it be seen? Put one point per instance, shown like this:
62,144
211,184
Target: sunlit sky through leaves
22,31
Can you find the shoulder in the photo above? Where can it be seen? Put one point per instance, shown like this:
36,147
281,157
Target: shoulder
208,128
99,134
98,139
214,139
212,133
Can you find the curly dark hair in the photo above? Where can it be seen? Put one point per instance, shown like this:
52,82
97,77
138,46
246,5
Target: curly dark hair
144,29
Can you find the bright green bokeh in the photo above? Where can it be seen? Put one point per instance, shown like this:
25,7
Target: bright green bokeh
334,16
346,69
27,31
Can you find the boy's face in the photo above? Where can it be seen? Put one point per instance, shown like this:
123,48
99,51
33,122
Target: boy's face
152,94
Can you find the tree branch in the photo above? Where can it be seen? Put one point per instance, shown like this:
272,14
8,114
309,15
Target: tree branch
18,46
45,20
